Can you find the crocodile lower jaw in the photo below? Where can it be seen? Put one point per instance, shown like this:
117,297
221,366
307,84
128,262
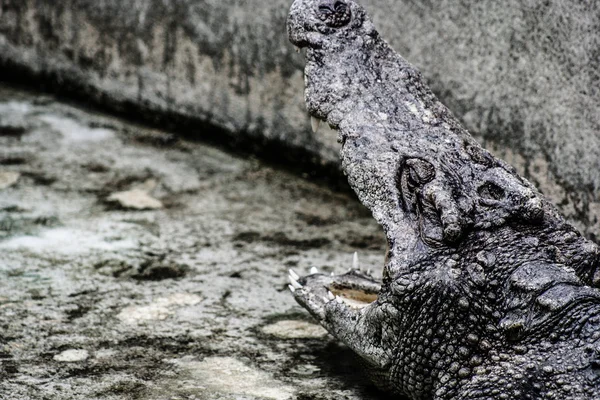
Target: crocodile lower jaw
355,289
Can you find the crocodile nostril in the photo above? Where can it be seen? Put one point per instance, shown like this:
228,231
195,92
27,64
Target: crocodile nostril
339,6
335,13
327,6
324,8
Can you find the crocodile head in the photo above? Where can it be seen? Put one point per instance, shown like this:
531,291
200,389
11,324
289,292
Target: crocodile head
400,144
479,264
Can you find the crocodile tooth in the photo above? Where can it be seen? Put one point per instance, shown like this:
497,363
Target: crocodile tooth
355,265
314,270
315,123
294,275
339,299
292,289
295,284
330,295
325,299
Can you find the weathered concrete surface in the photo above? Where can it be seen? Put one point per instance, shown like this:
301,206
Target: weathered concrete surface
187,301
522,75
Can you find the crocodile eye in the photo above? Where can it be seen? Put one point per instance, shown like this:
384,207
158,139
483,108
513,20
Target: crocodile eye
412,176
420,172
491,191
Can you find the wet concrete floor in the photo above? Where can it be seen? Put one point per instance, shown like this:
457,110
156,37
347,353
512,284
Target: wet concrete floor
136,265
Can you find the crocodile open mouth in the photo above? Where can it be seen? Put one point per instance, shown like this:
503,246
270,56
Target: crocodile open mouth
311,25
355,289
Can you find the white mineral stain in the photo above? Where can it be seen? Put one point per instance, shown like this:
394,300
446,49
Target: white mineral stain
66,241
72,356
306,369
73,131
105,354
15,107
159,310
291,329
232,376
7,179
136,199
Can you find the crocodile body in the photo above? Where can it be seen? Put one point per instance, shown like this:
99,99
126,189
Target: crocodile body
487,292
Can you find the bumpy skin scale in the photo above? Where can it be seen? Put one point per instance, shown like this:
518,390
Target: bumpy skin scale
487,292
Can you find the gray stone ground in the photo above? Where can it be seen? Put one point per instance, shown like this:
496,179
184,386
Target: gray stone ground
135,265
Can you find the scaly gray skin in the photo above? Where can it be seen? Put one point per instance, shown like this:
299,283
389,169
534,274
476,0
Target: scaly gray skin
487,292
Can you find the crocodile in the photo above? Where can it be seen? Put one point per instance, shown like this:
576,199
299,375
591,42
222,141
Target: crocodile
487,292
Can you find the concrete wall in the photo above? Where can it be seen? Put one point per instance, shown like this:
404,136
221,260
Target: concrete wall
523,75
